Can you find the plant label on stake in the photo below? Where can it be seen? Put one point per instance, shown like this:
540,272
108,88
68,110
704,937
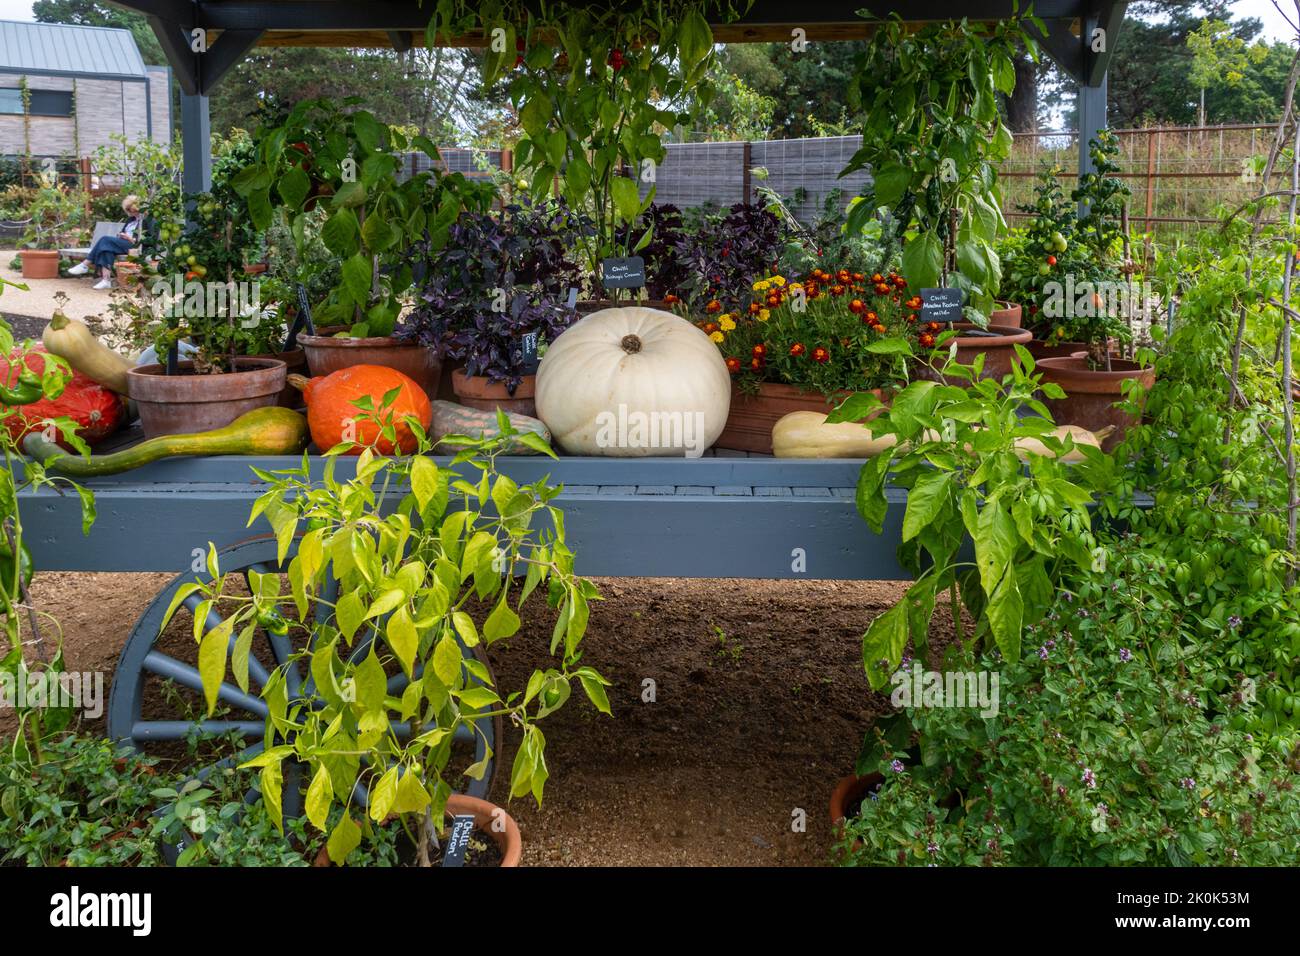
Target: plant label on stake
462,825
628,273
528,357
941,305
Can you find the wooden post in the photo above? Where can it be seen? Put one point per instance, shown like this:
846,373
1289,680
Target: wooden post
1151,182
746,160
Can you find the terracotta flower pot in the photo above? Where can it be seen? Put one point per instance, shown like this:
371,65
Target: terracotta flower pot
486,815
295,363
327,353
40,264
1090,396
849,791
128,273
1042,348
186,402
750,420
476,391
998,348
1006,313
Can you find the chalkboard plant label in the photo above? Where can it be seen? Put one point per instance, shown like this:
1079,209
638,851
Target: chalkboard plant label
622,273
529,356
941,305
458,834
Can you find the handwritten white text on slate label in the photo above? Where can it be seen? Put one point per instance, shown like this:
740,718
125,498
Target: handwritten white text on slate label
626,273
941,305
458,839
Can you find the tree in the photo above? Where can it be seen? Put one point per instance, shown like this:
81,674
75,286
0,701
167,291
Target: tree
87,13
807,86
1221,57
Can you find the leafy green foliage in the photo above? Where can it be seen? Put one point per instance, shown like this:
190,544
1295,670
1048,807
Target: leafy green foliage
413,547
931,135
958,455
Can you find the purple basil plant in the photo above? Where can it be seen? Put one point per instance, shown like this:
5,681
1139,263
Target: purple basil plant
500,277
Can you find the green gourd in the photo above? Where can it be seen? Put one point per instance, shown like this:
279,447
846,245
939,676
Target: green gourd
263,431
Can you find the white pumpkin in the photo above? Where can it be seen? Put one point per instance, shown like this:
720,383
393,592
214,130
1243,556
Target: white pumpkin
631,382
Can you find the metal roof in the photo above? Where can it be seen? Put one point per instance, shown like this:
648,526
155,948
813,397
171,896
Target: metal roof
69,50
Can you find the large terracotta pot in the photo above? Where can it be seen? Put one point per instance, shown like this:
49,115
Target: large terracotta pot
1041,348
750,420
327,353
40,264
128,273
1006,313
489,820
1090,396
998,348
186,402
849,791
476,391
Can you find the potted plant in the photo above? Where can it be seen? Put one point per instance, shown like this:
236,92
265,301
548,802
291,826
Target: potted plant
1095,308
593,88
53,211
932,136
805,345
200,297
318,156
421,563
499,279
725,255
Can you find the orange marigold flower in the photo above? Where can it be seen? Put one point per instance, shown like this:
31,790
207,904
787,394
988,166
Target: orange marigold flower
837,289
760,350
872,317
671,299
797,349
856,306
754,308
820,355
733,365
882,289
933,326
911,317
927,339
713,307
877,277
857,277
756,364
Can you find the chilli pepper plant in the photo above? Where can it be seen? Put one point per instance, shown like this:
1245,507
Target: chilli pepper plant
960,455
424,560
498,278
932,137
828,334
593,87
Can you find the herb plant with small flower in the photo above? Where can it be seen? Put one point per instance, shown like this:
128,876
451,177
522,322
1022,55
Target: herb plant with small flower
1105,751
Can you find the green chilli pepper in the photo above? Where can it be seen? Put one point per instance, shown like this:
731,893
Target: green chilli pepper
25,566
27,390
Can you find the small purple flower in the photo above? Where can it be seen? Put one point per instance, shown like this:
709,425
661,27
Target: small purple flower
1050,645
1234,622
1089,779
1042,652
1068,597
1187,783
1125,654
896,766
932,848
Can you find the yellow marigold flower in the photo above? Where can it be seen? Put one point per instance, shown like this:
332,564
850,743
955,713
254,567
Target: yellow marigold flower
778,281
717,337
796,286
764,314
727,322
760,286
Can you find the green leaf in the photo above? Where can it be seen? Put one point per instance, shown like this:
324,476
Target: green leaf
369,131
627,201
357,278
386,602
403,639
293,187
535,116
890,183
1005,615
349,613
411,795
382,795
464,625
502,622
370,682
339,233
239,657
595,692
272,786
923,261
350,195
924,501
446,660
320,794
345,838
885,640
212,660
694,39
424,480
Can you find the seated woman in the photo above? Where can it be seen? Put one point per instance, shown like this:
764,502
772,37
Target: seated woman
104,253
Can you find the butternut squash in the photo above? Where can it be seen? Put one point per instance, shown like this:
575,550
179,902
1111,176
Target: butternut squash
1033,446
263,431
807,435
75,342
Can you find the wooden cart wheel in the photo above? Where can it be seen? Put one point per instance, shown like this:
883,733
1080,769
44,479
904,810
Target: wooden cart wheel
157,690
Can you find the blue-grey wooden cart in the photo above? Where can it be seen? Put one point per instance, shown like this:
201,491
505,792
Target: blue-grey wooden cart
717,516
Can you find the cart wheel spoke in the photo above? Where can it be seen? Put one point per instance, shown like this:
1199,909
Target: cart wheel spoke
234,760
257,672
143,730
164,665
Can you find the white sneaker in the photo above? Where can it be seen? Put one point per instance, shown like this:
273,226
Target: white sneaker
80,269
103,284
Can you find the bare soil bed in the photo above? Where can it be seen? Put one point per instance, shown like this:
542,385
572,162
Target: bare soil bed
759,705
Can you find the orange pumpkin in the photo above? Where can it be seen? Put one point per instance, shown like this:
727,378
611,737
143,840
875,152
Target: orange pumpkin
334,418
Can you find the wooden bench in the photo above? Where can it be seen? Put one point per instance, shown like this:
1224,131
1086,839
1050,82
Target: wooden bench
102,229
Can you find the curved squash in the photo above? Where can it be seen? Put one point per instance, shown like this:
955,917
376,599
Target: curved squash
74,341
1032,446
807,435
263,431
452,419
